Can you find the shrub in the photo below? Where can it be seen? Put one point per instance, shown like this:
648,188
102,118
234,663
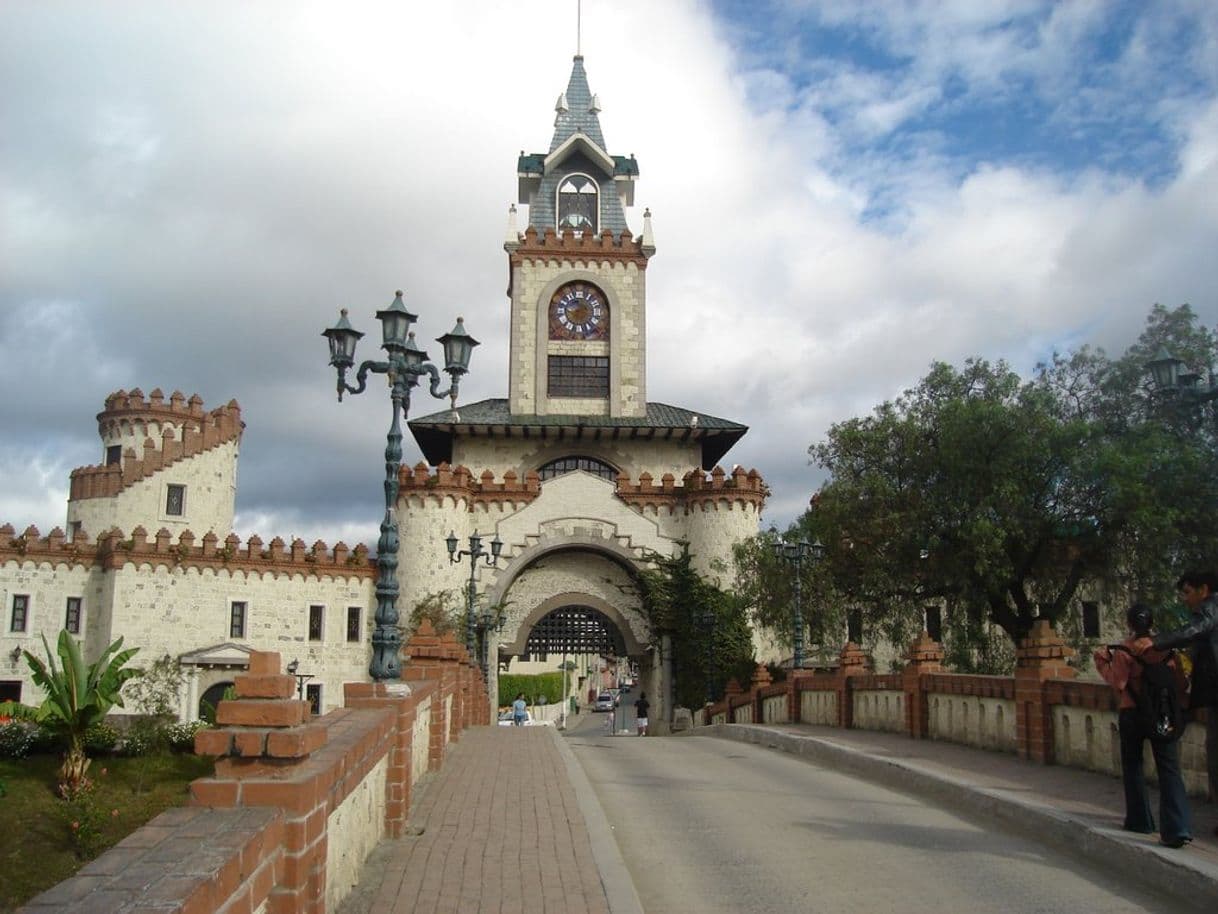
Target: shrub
548,684
181,737
16,739
138,741
100,739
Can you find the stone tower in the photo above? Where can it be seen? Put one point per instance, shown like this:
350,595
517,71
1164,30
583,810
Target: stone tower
165,464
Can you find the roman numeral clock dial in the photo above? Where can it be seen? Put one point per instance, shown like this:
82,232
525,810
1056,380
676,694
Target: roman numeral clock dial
578,312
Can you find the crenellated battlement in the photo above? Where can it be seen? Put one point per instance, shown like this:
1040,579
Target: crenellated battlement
697,489
128,413
111,550
538,246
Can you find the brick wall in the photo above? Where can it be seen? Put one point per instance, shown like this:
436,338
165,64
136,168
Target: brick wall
296,803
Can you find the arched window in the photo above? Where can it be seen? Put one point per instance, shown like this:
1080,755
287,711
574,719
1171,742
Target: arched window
571,464
578,204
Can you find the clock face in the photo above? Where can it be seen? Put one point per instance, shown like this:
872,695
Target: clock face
578,312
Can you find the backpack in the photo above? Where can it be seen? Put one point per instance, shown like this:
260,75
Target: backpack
1158,697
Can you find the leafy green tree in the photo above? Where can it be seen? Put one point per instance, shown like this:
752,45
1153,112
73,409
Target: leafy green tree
711,638
999,498
78,695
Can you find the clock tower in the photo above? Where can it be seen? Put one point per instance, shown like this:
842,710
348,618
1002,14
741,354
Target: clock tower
577,274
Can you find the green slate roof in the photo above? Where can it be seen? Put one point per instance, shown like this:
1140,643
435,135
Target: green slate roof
492,419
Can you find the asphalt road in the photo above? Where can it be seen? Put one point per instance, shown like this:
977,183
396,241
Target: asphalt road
708,825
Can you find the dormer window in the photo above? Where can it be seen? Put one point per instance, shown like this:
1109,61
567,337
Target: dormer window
578,204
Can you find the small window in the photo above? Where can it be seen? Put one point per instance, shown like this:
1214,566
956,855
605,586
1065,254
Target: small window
10,690
934,622
175,500
578,376
313,694
353,622
236,623
20,619
114,455
76,528
72,617
316,618
1091,619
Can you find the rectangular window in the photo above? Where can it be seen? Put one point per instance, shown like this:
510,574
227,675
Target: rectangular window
10,690
316,615
353,622
236,623
72,618
313,694
578,376
114,455
20,619
175,500
1091,619
934,622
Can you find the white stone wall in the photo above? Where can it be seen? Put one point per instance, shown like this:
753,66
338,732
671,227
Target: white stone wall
210,479
630,457
48,588
353,830
774,710
879,709
818,708
420,741
988,723
182,609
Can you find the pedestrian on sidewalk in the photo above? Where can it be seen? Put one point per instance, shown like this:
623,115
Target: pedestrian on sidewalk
1122,669
1199,592
520,711
641,707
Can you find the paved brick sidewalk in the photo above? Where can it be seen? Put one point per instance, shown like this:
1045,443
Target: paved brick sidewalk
501,831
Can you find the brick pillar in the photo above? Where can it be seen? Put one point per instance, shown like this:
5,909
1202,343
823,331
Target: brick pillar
263,740
433,658
761,679
852,661
1039,657
925,656
732,690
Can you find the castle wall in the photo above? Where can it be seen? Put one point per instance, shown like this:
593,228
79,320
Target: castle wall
630,457
210,479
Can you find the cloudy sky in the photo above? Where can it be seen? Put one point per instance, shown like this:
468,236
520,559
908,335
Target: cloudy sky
841,191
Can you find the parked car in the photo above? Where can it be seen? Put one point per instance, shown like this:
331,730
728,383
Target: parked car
616,695
505,720
604,702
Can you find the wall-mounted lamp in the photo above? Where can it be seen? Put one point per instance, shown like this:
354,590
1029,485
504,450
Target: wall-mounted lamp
15,654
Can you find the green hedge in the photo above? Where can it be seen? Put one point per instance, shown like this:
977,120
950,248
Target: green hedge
533,687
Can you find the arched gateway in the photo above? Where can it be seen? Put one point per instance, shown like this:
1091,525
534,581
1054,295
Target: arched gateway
577,474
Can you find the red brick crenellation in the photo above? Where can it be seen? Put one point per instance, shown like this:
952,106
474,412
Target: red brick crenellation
698,490
112,550
199,432
586,248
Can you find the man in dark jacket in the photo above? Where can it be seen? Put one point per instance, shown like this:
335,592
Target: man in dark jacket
1199,592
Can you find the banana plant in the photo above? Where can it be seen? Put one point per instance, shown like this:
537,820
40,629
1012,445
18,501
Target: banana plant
78,695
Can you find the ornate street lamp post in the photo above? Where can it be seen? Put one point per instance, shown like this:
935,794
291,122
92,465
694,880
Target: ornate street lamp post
1182,389
794,554
475,552
405,364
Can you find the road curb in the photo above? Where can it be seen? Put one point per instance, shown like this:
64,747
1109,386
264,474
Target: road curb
615,878
1162,869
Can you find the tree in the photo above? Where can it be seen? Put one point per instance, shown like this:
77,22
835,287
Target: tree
711,638
78,695
156,691
1000,498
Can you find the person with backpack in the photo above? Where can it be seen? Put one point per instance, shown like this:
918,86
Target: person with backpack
1199,592
1150,708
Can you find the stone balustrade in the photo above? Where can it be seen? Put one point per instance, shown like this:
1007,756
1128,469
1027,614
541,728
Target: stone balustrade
1042,713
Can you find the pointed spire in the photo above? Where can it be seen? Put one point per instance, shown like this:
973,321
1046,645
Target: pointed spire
579,113
512,239
648,240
